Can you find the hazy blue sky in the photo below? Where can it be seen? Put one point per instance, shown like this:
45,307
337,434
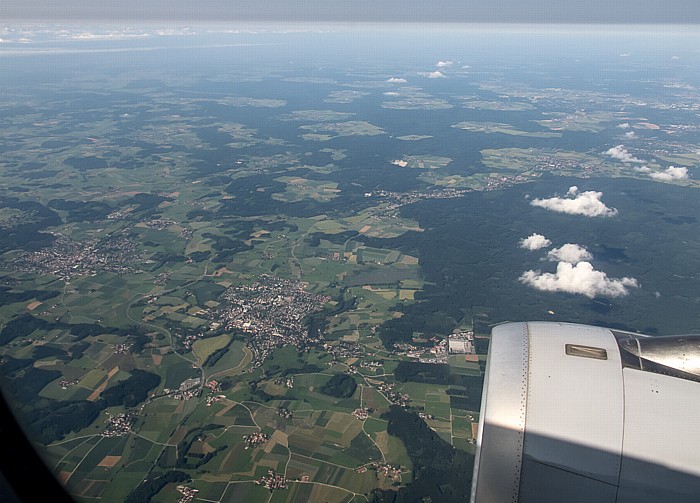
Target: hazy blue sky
527,11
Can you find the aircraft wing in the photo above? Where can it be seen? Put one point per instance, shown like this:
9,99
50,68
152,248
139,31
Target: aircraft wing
576,413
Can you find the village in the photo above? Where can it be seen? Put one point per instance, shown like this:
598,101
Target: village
67,259
272,310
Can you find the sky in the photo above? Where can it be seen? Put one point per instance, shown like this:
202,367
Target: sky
461,11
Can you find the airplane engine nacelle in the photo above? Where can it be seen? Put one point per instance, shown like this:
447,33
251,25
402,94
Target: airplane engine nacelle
575,413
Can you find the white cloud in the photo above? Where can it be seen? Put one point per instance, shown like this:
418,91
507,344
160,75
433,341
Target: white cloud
671,173
433,75
580,279
570,253
534,242
620,153
624,55
396,80
229,31
108,36
585,203
643,169
630,135
186,30
624,125
675,57
444,64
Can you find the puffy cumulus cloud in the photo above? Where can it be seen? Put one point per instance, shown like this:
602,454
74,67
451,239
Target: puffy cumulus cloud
444,64
396,80
643,169
586,203
671,173
534,242
624,125
580,278
630,135
620,153
433,75
570,253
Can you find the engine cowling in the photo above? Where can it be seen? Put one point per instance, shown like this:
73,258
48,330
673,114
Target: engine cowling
576,413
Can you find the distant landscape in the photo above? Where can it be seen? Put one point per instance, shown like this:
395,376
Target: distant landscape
263,265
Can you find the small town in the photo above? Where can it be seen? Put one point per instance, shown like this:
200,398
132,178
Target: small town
272,310
548,163
67,259
404,198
